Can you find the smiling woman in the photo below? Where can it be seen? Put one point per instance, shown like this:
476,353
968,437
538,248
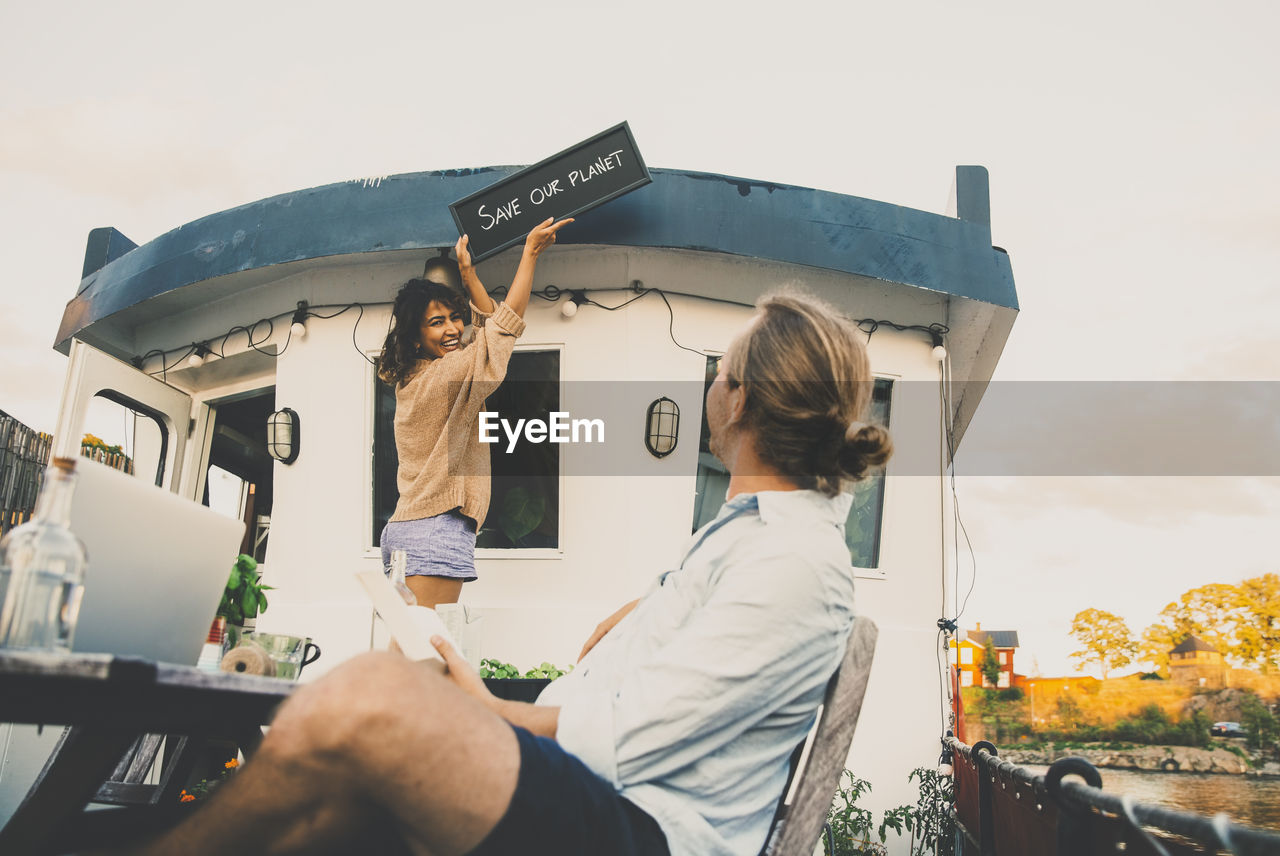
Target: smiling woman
441,381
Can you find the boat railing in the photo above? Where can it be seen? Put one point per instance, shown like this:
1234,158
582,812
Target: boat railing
1002,809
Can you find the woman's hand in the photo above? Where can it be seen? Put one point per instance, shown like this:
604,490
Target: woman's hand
463,253
543,236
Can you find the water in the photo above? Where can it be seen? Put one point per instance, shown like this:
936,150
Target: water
45,612
1244,799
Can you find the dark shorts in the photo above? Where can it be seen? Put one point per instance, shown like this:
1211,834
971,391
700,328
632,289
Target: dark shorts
561,808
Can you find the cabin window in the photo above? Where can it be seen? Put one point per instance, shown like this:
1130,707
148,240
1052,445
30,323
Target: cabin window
524,505
966,679
125,434
862,529
966,656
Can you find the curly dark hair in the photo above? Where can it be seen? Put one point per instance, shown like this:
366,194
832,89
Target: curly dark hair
403,347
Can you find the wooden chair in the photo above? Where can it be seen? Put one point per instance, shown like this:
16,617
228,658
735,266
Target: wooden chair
798,823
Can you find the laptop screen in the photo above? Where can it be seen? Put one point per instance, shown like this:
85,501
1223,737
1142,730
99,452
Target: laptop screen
157,566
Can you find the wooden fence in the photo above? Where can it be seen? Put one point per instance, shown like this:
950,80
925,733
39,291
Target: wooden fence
23,456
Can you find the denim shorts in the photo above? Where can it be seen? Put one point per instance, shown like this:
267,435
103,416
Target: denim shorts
440,546
561,808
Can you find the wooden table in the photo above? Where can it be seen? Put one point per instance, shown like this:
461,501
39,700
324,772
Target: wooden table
112,705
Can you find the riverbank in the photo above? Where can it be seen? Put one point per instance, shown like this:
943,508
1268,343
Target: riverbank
1167,759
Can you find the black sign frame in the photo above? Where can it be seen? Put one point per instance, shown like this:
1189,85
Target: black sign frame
545,174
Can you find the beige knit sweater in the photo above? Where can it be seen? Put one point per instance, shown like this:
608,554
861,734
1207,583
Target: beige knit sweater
443,464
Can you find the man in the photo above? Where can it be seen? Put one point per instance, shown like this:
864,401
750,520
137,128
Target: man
673,734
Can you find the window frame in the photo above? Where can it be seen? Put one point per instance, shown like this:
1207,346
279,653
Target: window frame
859,571
374,551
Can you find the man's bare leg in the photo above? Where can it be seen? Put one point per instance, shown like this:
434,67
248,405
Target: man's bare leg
379,741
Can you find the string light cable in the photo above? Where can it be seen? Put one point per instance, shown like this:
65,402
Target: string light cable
947,450
256,337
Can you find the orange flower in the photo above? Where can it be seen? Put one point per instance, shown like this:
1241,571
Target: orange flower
232,764
186,797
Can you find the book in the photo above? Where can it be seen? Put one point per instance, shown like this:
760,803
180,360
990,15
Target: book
411,626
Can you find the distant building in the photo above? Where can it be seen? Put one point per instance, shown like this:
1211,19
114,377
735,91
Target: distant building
972,647
1197,663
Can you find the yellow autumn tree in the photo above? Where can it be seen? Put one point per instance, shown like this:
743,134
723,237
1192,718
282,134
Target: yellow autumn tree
1104,639
1257,634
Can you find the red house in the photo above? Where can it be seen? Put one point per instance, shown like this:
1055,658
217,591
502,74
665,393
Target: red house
970,648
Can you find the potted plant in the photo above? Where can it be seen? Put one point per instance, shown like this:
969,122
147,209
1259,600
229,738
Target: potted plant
243,598
505,681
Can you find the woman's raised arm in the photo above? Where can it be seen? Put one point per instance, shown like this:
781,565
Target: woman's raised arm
517,299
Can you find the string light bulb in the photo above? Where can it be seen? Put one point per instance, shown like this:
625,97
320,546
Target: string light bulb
298,327
199,353
939,351
570,307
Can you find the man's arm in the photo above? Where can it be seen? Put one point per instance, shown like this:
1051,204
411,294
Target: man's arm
535,719
605,626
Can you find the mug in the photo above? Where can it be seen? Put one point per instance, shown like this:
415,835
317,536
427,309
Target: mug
290,653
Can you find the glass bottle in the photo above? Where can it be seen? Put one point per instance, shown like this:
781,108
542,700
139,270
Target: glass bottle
44,563
399,561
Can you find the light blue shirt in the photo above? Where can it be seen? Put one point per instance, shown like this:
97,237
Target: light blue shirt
692,704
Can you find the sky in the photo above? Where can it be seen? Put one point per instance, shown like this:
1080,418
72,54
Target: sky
1131,148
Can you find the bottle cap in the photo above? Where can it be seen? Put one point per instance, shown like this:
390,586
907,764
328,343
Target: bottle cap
64,464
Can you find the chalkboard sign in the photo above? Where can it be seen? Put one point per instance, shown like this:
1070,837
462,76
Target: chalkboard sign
564,185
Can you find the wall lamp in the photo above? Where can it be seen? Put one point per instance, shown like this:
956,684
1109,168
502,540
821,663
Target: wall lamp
443,270
662,427
283,433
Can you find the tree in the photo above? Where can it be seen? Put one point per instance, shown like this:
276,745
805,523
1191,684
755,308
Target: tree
1157,641
1258,631
1242,621
1104,639
990,665
1260,724
1210,612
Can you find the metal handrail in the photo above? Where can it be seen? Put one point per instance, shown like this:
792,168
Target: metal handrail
1077,798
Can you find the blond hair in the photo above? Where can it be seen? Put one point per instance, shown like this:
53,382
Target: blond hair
808,384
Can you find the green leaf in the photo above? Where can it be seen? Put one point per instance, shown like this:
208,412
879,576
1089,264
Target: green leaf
234,580
262,601
521,512
247,564
249,603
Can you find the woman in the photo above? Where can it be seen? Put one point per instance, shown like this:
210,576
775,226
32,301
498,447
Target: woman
441,383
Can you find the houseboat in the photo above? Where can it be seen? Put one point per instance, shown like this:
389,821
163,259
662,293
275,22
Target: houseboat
275,311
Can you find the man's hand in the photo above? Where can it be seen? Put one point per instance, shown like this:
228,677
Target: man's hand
463,676
605,626
542,236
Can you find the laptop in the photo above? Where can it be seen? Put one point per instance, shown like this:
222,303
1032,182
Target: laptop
158,564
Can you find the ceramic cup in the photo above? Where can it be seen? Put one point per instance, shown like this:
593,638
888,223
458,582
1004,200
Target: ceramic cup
290,653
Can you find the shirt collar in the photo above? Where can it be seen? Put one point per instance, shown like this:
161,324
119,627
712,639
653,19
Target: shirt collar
781,506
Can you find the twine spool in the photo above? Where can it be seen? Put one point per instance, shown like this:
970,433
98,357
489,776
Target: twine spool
249,659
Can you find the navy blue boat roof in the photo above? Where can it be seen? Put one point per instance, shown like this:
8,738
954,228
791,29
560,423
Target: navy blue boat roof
679,210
